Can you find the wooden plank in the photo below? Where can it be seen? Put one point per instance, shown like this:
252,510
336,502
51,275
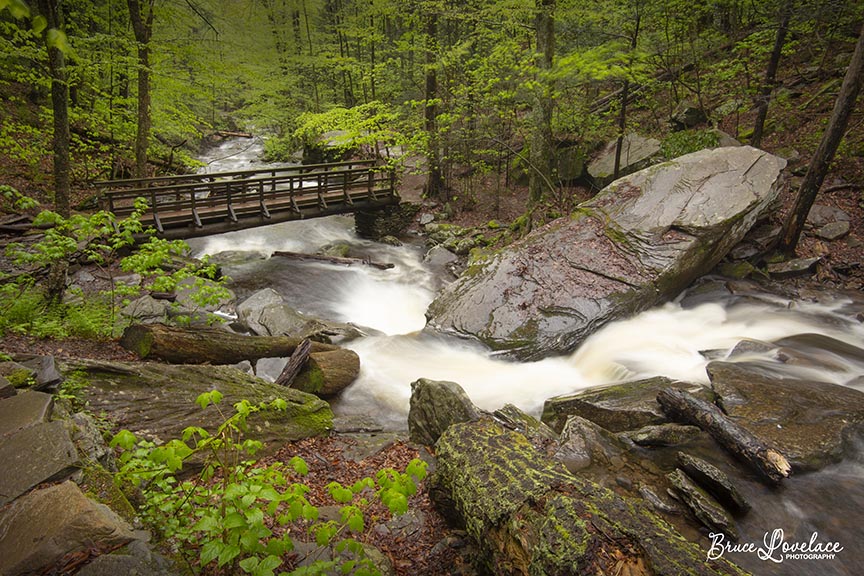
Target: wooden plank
295,363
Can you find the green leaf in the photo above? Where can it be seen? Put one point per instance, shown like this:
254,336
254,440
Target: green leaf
268,565
124,439
228,554
207,524
417,469
299,465
18,8
249,564
210,551
234,520
55,38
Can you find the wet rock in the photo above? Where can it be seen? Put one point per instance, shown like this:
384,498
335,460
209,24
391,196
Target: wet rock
821,215
439,256
637,243
714,480
135,559
266,314
793,268
90,443
36,454
711,514
249,309
525,424
390,240
748,346
822,350
658,503
833,230
617,408
236,257
39,529
339,249
24,410
147,310
663,435
157,401
637,152
809,422
584,443
426,218
435,406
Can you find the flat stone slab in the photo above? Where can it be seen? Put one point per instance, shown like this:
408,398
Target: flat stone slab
39,529
40,453
617,408
809,422
16,373
24,410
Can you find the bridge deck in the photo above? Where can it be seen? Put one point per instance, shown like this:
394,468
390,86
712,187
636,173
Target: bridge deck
193,205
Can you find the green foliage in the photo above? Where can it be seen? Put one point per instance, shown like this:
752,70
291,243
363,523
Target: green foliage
227,517
686,141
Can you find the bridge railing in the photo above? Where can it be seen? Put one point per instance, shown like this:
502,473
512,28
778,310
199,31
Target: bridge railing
234,195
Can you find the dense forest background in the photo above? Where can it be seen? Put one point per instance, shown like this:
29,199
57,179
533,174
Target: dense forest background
484,91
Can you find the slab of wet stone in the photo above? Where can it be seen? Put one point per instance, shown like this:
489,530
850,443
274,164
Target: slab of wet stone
39,529
24,410
37,454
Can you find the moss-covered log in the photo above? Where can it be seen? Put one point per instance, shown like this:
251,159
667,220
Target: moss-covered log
530,516
207,345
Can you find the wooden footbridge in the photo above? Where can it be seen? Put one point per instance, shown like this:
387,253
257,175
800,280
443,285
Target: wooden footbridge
187,206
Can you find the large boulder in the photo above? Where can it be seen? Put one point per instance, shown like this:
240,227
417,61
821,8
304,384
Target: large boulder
636,244
157,401
636,153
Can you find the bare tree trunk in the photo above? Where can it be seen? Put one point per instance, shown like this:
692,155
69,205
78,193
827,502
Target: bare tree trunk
141,15
770,74
60,107
824,154
625,92
434,182
540,179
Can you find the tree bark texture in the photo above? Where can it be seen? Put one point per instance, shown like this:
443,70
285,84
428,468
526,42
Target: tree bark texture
529,515
50,9
770,74
141,15
208,345
434,182
683,407
821,162
622,112
540,175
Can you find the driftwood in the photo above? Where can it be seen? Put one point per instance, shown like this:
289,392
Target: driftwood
295,363
683,407
332,259
207,345
229,134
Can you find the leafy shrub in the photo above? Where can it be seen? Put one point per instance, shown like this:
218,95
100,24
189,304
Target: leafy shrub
687,141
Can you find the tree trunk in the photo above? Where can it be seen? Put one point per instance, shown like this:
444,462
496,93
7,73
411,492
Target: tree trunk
208,345
328,373
824,154
683,407
529,515
434,182
141,15
60,107
770,74
622,114
540,176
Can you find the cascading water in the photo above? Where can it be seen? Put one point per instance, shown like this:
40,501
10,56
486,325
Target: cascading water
675,340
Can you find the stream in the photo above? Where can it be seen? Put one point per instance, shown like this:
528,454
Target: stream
672,340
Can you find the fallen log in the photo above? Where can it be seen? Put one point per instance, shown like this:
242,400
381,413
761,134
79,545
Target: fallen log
683,407
332,259
230,134
529,515
328,373
207,345
295,363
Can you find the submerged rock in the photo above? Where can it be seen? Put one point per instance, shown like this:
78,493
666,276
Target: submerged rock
639,242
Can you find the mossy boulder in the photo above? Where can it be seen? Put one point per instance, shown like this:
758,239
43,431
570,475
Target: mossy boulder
157,401
529,515
639,242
